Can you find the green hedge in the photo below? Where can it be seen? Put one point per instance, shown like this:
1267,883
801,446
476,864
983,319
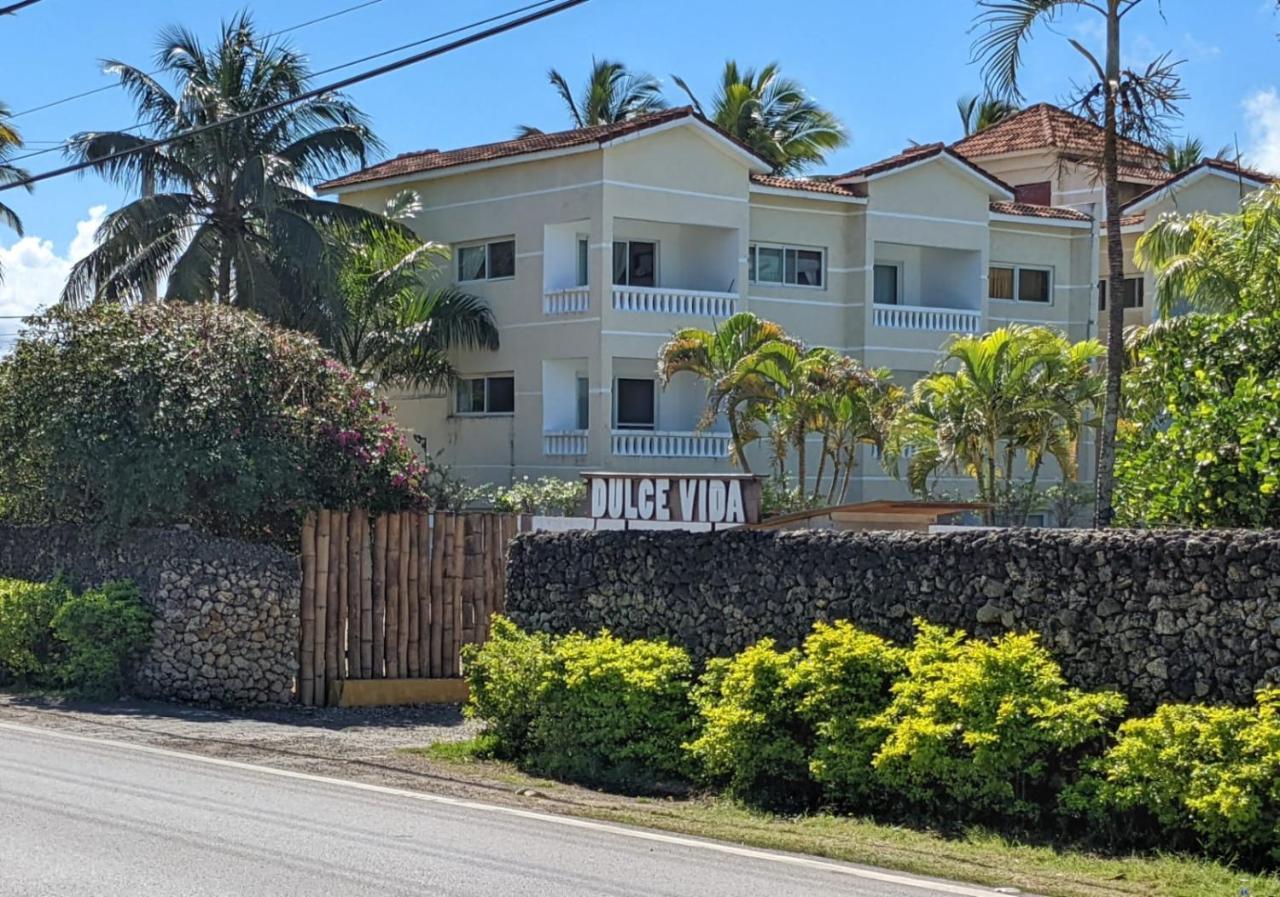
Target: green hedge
950,729
53,637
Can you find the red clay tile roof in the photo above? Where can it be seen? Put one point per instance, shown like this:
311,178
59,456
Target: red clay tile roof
803,184
913,154
1045,126
1028,210
433,160
1231,169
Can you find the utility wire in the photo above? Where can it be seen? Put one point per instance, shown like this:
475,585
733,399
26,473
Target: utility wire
15,7
105,87
511,25
326,71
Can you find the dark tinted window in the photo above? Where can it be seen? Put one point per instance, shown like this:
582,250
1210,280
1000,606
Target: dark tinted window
635,404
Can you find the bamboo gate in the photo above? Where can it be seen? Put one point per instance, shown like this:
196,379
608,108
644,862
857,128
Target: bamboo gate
396,596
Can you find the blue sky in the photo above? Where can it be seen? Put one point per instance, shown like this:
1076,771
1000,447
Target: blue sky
891,70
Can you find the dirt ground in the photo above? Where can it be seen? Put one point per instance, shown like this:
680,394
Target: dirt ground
367,745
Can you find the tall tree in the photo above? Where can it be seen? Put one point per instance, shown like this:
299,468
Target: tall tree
10,140
979,113
230,204
773,115
1125,102
386,320
1188,153
613,93
729,358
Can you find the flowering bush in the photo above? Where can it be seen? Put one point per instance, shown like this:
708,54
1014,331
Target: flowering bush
545,495
196,414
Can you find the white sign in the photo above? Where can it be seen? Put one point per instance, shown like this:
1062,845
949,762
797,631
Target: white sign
660,498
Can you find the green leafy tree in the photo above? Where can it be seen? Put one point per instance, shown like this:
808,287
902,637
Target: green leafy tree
979,113
1124,102
773,115
224,214
612,93
171,413
1180,155
10,140
1200,442
729,358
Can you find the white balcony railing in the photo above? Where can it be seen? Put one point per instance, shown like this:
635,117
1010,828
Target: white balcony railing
660,444
673,301
564,443
571,301
923,317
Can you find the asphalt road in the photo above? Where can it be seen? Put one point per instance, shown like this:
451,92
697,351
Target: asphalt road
82,816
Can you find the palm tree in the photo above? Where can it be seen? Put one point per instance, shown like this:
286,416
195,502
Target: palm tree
230,204
386,322
773,115
613,93
1015,390
729,358
10,140
1190,152
1123,101
1216,263
979,113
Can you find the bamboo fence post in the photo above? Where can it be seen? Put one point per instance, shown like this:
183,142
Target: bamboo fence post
415,623
437,594
392,641
459,566
489,522
322,604
366,597
509,530
469,580
402,593
379,596
353,595
307,614
446,627
423,595
333,621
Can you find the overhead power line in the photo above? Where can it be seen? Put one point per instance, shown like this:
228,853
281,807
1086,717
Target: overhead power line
15,7
96,90
545,12
325,71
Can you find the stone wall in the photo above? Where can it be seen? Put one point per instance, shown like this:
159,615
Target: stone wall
226,613
1159,615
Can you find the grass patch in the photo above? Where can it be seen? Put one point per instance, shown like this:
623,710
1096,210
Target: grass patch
975,856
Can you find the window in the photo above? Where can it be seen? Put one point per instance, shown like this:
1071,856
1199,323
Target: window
584,261
886,284
1037,194
584,403
1134,293
486,395
487,261
635,263
1011,282
790,265
636,406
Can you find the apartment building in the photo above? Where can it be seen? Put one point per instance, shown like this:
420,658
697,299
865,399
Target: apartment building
593,245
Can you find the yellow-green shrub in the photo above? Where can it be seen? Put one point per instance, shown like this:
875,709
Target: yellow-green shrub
614,712
981,729
102,630
507,677
845,679
752,737
27,645
1210,774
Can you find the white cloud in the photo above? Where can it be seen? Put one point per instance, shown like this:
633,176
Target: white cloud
1262,117
34,272
1198,49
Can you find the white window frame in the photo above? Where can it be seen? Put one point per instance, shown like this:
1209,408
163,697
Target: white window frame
752,268
468,379
657,261
488,263
633,428
901,268
1017,282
